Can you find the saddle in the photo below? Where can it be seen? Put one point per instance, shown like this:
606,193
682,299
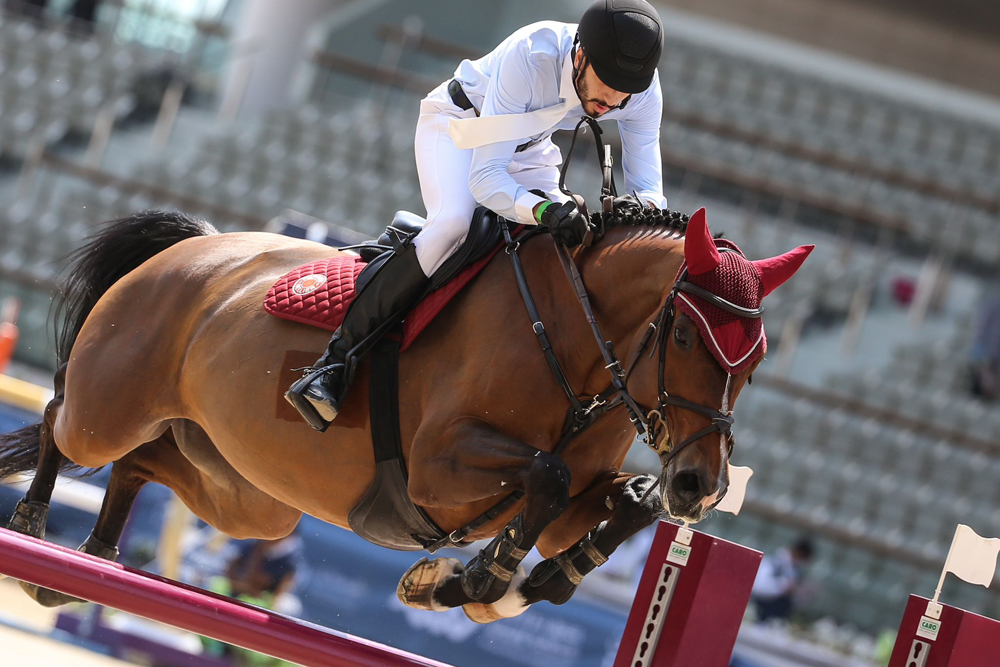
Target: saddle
319,293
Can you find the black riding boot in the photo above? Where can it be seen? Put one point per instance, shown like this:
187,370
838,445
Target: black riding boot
390,291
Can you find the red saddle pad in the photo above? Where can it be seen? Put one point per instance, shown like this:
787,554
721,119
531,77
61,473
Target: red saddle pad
318,294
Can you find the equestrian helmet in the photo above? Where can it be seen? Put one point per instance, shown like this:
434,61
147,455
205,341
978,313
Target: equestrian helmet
622,40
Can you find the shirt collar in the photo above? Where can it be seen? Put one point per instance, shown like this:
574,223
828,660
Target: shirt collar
567,91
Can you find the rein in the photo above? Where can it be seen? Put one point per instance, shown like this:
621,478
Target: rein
648,423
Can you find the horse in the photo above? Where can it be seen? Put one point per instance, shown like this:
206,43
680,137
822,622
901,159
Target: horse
170,371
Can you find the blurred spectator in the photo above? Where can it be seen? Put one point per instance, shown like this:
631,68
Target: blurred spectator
778,580
262,573
985,353
265,569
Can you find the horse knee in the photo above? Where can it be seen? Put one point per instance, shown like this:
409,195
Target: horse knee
549,478
638,506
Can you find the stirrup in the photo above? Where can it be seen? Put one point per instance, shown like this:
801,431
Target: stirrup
295,396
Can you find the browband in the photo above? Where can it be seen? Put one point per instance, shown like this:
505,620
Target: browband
683,286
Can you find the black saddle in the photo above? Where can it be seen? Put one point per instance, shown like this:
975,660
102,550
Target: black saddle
484,235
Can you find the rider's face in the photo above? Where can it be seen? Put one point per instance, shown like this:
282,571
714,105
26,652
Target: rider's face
597,98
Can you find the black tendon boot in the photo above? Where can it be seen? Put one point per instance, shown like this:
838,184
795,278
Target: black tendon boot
392,290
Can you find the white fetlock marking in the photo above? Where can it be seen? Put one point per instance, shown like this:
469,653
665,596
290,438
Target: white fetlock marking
510,605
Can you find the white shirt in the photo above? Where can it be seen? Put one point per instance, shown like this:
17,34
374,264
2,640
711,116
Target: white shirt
533,69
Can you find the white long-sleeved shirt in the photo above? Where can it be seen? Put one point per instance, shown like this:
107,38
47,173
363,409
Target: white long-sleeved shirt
533,69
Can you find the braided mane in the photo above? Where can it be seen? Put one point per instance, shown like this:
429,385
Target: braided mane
672,220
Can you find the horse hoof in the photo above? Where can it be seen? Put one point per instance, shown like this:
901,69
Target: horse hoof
47,597
510,605
29,519
416,588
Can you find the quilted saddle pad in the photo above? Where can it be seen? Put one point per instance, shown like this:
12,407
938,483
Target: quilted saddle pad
318,294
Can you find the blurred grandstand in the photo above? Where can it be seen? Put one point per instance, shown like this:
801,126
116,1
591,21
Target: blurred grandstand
861,427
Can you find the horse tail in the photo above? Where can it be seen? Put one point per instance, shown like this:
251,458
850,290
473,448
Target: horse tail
119,248
19,450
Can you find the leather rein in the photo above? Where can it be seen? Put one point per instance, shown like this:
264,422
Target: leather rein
650,425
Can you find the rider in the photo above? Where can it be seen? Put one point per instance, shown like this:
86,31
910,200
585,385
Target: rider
484,137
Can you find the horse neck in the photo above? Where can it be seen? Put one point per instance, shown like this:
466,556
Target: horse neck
628,275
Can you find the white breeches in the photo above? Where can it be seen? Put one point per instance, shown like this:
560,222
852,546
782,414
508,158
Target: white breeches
443,171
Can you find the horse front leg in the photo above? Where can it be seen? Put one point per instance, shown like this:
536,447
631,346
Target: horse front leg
476,462
610,511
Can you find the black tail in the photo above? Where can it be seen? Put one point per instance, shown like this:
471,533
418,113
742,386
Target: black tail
120,247
19,450
108,256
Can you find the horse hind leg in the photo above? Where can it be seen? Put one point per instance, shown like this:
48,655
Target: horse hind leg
128,477
32,511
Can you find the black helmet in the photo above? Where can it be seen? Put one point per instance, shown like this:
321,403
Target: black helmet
623,40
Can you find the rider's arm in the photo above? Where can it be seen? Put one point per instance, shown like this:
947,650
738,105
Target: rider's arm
640,132
509,91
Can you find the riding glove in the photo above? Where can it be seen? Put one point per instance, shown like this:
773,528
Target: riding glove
566,223
627,204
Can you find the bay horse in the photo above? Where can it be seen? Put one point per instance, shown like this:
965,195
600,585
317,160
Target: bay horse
170,370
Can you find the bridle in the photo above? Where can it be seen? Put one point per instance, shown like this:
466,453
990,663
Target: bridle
721,422
651,427
580,416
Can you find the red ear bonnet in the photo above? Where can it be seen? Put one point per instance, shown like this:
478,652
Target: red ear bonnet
734,340
776,270
700,252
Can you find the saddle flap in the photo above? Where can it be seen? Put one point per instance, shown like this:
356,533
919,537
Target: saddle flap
484,236
319,293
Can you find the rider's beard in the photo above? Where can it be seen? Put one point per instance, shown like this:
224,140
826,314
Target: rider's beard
589,104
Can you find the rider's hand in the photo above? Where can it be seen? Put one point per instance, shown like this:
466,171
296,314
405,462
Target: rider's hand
566,223
626,204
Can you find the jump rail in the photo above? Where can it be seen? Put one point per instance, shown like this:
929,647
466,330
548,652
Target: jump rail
190,608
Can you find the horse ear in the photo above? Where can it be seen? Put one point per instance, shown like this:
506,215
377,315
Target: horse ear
776,270
700,252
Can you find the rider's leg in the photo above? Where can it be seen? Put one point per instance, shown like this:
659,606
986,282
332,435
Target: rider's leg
443,170
390,291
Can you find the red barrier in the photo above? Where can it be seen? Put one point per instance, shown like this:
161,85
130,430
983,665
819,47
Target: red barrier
690,602
947,637
190,608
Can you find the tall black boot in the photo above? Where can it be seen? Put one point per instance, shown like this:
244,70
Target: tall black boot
388,294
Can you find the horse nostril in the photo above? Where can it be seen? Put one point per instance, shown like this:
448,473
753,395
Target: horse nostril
687,486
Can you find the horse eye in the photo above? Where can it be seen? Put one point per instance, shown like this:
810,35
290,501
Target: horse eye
680,335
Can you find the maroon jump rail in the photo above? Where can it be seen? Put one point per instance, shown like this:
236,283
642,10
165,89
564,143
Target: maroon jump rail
190,608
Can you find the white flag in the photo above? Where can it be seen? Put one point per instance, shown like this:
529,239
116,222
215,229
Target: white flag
732,502
971,557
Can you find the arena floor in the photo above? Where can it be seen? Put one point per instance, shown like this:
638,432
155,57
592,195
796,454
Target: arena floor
21,647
